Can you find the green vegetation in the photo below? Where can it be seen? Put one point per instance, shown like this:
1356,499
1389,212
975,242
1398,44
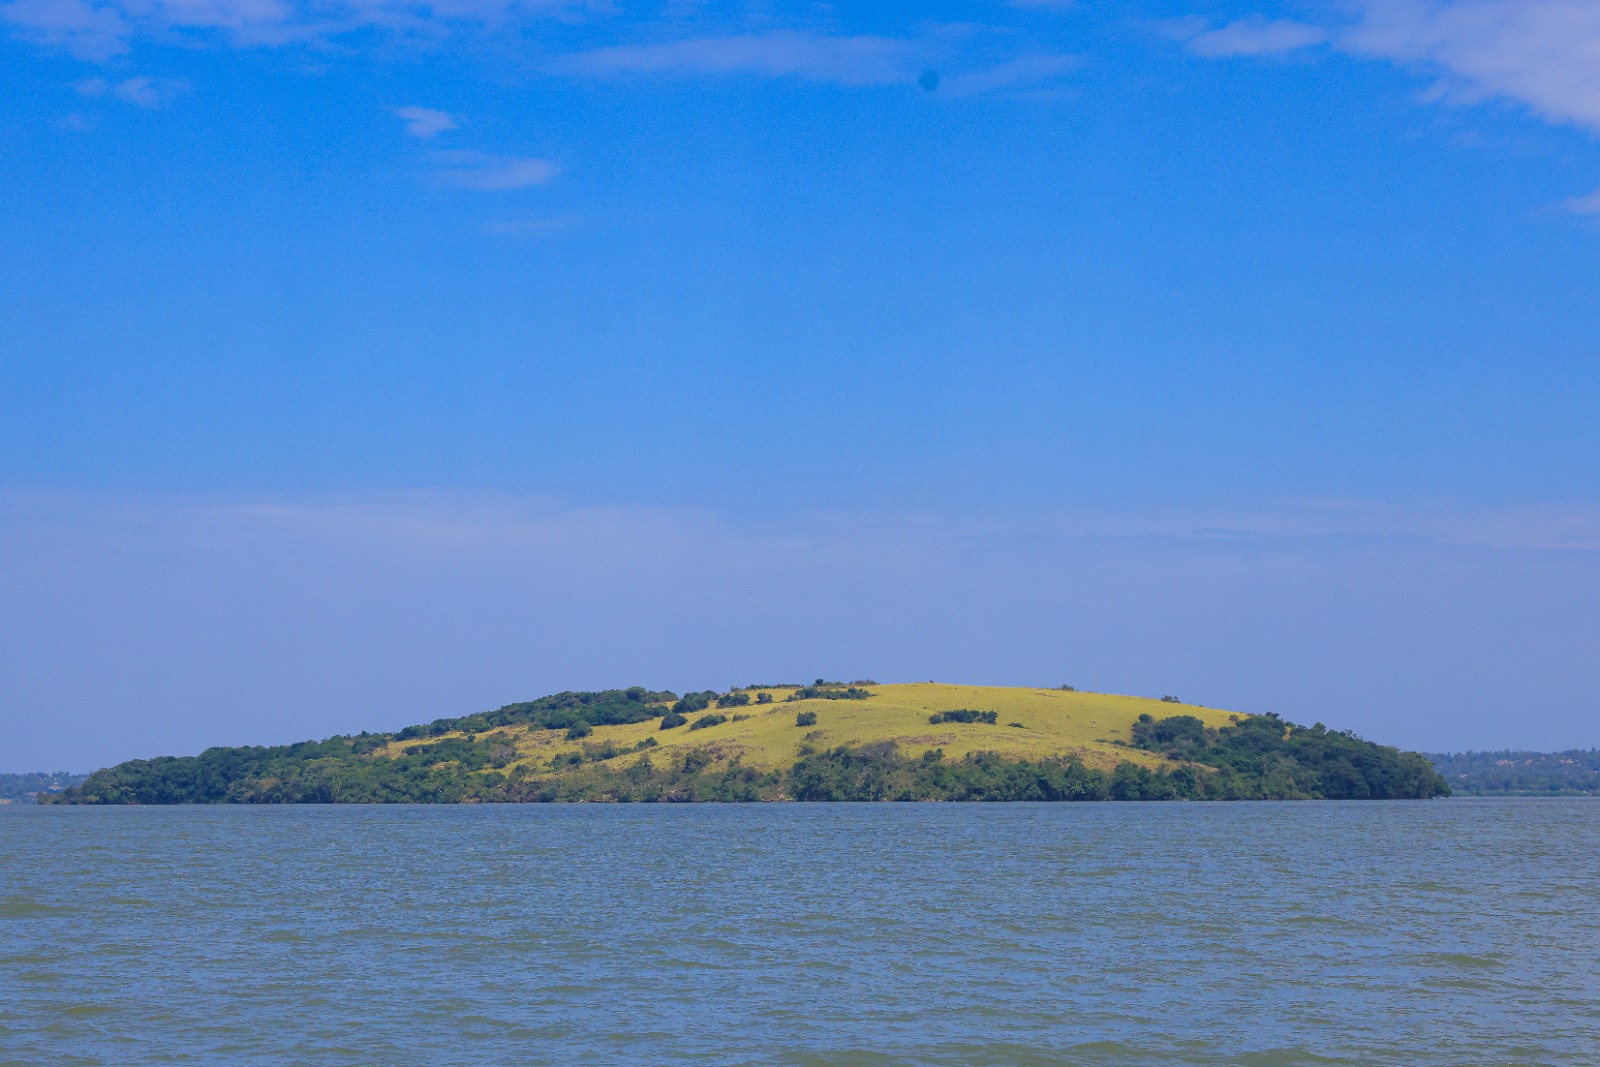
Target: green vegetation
1575,772
830,691
897,742
694,702
1292,762
560,712
964,715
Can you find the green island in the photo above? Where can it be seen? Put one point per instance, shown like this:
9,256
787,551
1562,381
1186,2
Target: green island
827,741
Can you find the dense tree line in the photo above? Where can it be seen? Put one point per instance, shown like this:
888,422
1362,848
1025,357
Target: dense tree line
1575,772
1292,761
611,707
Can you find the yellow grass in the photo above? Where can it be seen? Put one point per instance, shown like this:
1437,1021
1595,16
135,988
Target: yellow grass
1054,722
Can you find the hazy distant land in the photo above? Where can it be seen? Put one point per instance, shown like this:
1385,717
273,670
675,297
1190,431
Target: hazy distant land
21,788
1575,772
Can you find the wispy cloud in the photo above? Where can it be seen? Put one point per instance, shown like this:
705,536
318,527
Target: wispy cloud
86,30
141,91
1253,36
310,614
1544,54
782,53
100,29
490,173
426,121
1584,205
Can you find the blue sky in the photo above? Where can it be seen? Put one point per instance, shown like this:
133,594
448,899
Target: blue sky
366,362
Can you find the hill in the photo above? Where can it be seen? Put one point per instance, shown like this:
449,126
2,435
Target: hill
825,741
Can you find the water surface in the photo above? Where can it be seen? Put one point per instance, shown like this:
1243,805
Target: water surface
1420,933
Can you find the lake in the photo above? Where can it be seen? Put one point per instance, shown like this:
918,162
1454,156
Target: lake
1461,932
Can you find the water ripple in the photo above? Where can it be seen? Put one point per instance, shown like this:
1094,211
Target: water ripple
1253,935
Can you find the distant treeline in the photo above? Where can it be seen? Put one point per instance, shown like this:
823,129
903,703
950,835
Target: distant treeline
1575,772
1258,758
20,788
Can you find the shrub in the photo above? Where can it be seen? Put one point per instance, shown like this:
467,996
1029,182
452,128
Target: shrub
740,718
733,700
1170,700
964,715
813,692
707,720
806,718
672,719
579,729
1018,725
601,752
763,698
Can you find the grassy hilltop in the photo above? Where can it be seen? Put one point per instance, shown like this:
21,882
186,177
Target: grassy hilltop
826,741
1050,722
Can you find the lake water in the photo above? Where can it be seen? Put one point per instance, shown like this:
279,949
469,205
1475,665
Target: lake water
1463,932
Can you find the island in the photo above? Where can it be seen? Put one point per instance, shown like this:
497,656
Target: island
826,741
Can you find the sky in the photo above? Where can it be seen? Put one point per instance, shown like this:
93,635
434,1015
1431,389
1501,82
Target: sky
367,362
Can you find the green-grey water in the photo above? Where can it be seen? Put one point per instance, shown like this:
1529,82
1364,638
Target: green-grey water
1423,933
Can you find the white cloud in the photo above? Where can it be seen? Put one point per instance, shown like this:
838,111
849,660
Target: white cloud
1544,54
1584,205
141,91
426,121
489,173
1253,36
783,53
